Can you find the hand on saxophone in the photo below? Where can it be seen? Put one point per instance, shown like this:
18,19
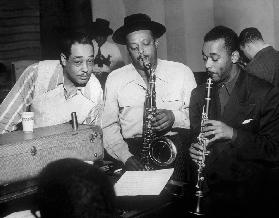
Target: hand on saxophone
217,130
163,120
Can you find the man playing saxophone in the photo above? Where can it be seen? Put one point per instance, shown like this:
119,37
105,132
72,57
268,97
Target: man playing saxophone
242,129
126,88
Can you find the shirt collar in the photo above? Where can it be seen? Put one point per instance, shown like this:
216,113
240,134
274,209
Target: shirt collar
134,76
57,79
230,84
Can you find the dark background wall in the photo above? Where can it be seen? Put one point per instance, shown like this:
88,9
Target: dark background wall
19,30
56,16
29,28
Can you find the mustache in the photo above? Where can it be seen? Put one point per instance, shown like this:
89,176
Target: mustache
143,58
209,73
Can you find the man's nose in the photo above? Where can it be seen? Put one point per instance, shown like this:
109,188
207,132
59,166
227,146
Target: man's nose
85,66
141,50
208,63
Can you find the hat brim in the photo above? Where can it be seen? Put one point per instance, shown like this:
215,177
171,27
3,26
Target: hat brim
120,34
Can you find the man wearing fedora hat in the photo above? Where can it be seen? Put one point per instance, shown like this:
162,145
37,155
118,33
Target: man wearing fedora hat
107,54
126,90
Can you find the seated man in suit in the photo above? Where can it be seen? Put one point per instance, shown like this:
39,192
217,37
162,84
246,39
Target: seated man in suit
241,132
55,88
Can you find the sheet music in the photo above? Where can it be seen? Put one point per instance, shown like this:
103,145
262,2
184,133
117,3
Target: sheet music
134,183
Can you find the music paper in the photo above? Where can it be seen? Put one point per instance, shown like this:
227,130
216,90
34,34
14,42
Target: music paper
134,183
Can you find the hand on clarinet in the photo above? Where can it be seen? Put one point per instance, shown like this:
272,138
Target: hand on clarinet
215,130
163,120
196,152
133,164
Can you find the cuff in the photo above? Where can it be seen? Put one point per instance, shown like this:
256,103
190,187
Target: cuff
124,155
119,151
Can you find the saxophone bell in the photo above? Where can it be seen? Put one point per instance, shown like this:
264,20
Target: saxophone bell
163,152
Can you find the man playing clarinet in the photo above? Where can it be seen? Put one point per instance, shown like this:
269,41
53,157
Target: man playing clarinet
242,131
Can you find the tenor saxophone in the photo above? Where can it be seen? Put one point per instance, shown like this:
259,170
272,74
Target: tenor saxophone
203,141
156,151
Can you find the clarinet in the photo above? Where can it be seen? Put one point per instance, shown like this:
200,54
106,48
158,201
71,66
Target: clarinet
203,141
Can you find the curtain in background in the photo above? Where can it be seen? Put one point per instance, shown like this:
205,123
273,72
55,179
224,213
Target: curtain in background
29,29
19,30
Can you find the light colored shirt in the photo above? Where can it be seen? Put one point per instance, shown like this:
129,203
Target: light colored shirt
111,52
40,89
23,214
124,102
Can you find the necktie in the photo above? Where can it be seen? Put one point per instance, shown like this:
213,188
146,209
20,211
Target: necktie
223,96
215,104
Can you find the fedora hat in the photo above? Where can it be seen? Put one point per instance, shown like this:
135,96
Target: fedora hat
136,22
100,27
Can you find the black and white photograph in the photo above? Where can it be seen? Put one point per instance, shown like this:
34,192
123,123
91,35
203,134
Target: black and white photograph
139,108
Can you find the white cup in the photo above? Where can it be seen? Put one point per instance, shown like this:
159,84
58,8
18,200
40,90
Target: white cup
28,121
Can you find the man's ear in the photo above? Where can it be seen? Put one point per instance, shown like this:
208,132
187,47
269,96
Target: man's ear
63,59
235,57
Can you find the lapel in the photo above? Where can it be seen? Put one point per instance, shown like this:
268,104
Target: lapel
240,105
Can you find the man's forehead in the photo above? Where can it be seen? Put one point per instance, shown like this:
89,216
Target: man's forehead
214,46
81,50
138,35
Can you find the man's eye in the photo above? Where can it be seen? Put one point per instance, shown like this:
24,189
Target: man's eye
215,59
90,61
77,62
146,42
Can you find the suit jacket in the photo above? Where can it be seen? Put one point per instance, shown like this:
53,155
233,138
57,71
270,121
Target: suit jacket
265,65
252,110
